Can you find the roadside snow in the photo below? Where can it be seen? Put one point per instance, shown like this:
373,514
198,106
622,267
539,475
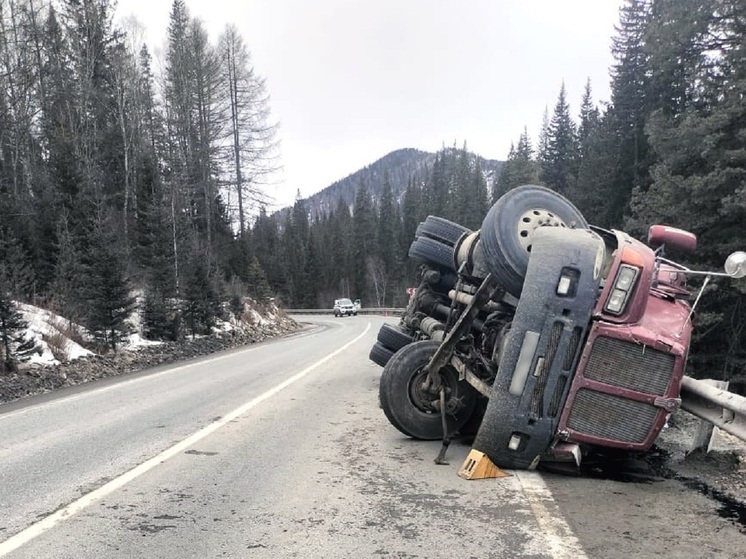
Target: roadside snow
54,336
44,327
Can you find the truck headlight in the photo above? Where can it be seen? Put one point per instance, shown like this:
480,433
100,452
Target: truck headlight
624,283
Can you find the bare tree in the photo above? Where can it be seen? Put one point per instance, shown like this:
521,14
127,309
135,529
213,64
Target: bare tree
250,146
19,75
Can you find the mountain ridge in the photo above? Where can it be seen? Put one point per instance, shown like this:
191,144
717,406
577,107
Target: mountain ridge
401,165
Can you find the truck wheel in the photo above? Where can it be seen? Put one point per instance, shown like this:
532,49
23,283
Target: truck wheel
380,355
409,407
508,227
441,230
432,251
393,338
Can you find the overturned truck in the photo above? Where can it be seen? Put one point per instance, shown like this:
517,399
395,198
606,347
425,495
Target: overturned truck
542,334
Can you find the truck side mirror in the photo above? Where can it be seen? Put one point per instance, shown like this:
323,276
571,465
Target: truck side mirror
735,264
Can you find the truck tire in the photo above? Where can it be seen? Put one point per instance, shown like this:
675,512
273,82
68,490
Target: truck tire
431,251
442,230
508,227
380,355
393,338
408,408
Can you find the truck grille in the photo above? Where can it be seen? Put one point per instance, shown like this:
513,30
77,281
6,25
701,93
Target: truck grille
629,365
610,417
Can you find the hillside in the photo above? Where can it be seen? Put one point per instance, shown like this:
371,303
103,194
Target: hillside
400,165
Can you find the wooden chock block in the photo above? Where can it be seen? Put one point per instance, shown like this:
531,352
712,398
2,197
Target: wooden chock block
478,466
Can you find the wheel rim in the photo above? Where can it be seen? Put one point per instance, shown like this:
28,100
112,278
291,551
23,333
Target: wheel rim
423,400
532,220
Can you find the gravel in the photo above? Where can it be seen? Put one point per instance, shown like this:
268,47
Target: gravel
720,473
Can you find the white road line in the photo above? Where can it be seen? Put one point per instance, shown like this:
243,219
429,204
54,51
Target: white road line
557,534
81,503
101,389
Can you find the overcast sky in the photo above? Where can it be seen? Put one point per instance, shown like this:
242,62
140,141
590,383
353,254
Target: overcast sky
352,80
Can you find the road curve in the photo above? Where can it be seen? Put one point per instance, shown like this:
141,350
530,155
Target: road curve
275,450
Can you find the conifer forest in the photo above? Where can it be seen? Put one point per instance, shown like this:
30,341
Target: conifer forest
125,188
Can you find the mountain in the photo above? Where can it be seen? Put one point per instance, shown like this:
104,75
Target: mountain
401,166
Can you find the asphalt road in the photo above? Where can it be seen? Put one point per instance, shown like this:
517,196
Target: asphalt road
280,450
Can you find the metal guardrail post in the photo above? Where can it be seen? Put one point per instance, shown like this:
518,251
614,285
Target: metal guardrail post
714,405
706,431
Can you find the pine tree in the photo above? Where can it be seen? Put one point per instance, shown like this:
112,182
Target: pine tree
68,298
387,246
159,320
259,287
559,168
630,107
11,324
267,247
363,241
107,290
584,192
201,304
698,181
19,275
343,262
412,206
589,120
542,150
519,168
295,245
436,190
311,273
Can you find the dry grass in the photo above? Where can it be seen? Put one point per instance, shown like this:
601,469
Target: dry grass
64,330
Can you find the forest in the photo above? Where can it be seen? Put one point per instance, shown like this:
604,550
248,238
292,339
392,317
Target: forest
124,190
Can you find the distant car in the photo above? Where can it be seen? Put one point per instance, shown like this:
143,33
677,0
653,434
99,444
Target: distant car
344,307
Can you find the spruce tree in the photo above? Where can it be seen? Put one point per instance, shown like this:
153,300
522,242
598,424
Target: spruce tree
343,262
627,156
259,287
11,324
201,303
107,290
265,238
311,273
363,242
68,291
559,169
19,274
698,180
159,321
387,245
519,168
585,192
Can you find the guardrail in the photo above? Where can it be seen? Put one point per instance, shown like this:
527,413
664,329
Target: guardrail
392,311
724,409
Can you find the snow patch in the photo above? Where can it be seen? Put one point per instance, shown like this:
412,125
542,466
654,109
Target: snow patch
50,333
